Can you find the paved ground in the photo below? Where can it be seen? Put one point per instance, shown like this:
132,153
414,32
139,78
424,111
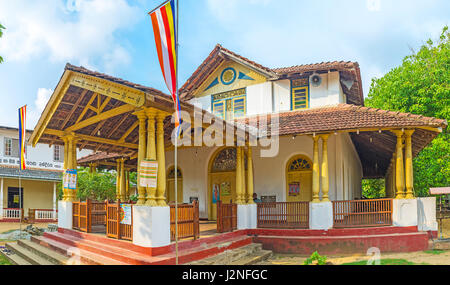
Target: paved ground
438,258
6,227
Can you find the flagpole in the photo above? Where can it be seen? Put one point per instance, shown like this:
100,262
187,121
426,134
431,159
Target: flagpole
176,140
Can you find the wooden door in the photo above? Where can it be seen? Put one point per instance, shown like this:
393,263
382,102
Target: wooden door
227,185
171,190
304,179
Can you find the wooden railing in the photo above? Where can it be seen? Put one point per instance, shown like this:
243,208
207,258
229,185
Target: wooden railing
188,221
98,213
80,216
41,215
283,215
226,217
362,213
114,227
12,214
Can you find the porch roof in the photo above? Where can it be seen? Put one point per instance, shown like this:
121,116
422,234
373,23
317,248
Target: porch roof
44,175
368,128
107,160
99,108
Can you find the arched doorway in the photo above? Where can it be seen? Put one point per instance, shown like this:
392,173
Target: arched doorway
222,176
171,185
299,179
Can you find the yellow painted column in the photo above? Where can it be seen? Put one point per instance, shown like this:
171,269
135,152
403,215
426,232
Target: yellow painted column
250,189
239,198
324,172
243,189
66,163
316,170
161,185
409,175
399,170
118,183
151,154
122,180
141,154
127,185
71,164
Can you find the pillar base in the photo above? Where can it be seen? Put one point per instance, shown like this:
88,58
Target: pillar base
151,226
65,214
426,214
404,212
247,216
242,217
320,216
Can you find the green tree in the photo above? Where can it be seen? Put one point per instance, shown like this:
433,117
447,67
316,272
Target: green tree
98,186
420,85
373,188
1,34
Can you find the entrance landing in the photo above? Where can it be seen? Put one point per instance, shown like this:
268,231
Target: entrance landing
95,249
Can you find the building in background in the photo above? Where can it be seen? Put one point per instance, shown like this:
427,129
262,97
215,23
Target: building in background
38,185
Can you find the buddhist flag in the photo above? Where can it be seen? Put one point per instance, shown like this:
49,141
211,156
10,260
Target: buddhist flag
22,135
164,28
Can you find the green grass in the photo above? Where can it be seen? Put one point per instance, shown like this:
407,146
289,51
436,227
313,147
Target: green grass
3,260
435,251
385,262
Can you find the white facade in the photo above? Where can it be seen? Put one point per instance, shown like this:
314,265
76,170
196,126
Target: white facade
275,96
345,170
40,157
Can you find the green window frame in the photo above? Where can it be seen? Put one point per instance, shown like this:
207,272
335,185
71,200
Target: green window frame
300,98
237,107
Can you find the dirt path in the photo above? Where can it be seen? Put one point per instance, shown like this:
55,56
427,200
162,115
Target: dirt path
5,227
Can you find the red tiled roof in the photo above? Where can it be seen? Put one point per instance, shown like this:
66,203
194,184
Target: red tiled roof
98,156
219,53
346,117
86,71
339,65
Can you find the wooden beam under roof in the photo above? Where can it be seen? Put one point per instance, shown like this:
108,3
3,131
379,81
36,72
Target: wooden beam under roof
103,116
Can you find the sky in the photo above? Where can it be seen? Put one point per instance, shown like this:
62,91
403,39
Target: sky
116,37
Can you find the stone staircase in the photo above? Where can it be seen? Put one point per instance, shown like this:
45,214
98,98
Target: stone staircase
70,247
25,252
248,255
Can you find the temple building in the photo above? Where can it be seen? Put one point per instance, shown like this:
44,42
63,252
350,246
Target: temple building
297,136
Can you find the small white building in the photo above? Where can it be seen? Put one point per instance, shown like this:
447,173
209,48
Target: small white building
38,182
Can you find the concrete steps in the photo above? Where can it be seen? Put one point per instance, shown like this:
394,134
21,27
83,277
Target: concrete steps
94,249
247,255
24,252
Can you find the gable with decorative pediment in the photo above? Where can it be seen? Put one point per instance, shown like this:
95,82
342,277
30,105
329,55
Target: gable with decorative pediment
229,76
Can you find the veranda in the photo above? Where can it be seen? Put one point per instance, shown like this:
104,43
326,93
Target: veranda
95,111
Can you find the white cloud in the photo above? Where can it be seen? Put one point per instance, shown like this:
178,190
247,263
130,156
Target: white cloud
43,95
80,31
34,111
374,5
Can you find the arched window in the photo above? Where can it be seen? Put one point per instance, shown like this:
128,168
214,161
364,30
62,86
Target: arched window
171,173
225,161
300,164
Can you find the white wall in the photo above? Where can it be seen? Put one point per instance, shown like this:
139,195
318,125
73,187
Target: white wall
39,157
282,95
259,96
328,93
345,170
259,99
